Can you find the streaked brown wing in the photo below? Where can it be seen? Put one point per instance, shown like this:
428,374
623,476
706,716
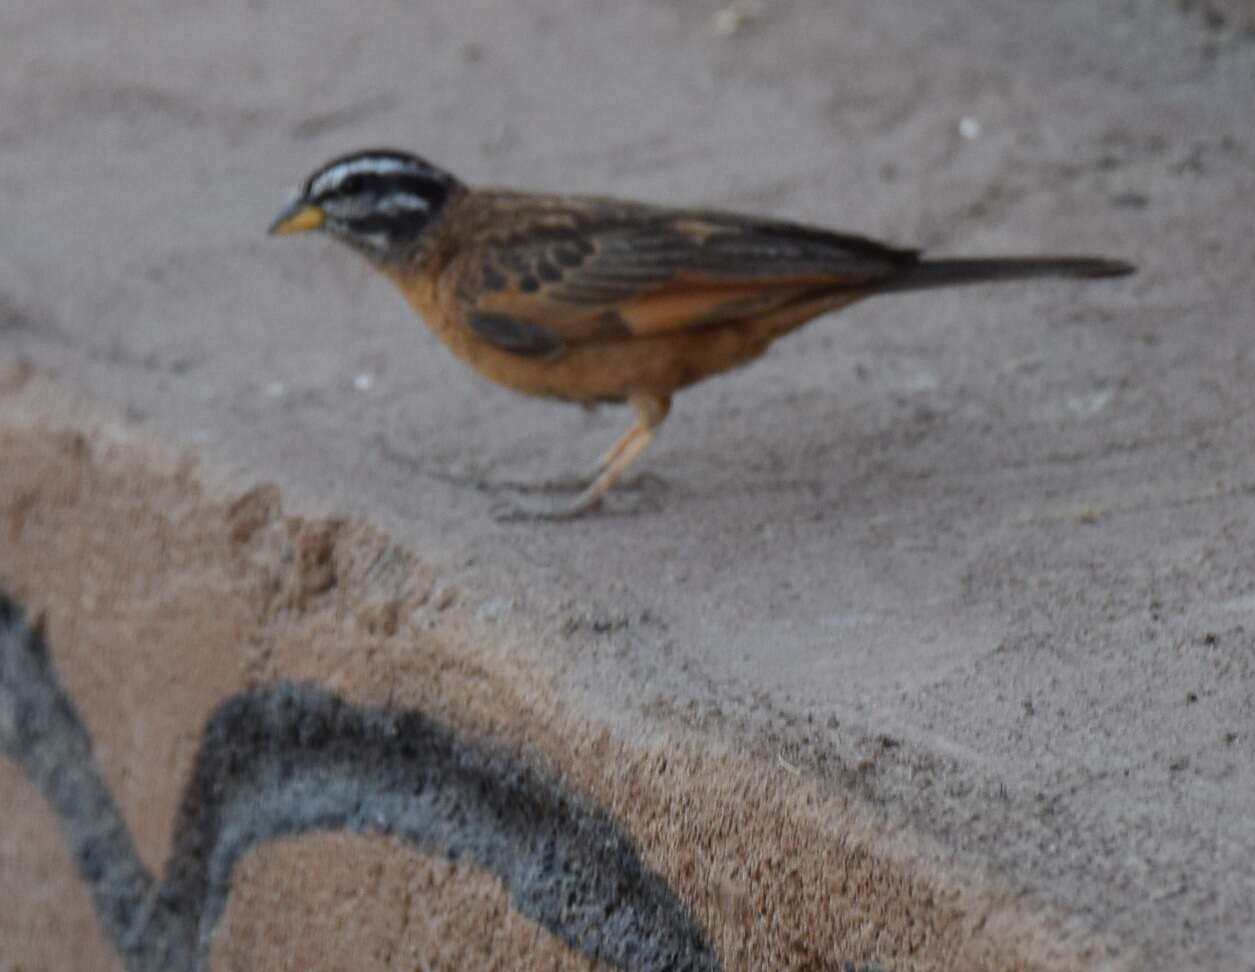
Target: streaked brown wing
554,271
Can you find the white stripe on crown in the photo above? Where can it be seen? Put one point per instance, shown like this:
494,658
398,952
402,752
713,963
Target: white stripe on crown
375,165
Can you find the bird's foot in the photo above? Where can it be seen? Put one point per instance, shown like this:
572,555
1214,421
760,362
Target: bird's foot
519,507
566,484
481,482
516,506
562,484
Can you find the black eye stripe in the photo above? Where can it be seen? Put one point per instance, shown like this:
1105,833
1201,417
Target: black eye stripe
380,202
396,226
381,187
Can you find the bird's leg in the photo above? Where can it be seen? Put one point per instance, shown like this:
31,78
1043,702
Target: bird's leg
623,442
584,481
568,484
650,412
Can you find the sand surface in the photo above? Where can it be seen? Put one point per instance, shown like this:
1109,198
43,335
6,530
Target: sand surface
980,561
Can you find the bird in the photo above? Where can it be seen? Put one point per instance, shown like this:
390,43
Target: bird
592,299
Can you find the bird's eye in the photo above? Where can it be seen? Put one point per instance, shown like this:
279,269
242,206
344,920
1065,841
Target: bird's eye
353,184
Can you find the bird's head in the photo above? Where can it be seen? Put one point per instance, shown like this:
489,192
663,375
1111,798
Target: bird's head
380,202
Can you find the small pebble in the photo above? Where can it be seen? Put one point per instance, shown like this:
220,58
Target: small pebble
731,19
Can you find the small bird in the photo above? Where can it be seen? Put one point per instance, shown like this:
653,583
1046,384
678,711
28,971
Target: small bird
590,299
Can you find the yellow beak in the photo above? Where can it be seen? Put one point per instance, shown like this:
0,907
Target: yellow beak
299,217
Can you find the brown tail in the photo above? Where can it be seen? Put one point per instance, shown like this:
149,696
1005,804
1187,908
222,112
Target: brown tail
947,273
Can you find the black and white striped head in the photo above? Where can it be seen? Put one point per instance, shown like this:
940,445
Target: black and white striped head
378,201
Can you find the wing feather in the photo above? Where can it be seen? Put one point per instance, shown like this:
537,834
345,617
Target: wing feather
569,270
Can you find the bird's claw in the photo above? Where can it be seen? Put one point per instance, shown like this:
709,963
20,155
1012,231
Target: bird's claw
516,508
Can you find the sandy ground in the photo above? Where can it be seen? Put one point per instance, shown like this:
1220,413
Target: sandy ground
982,556
176,706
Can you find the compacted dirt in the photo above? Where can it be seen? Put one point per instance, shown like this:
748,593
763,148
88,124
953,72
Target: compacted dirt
928,641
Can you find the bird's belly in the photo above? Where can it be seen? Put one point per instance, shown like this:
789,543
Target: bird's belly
615,368
612,370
